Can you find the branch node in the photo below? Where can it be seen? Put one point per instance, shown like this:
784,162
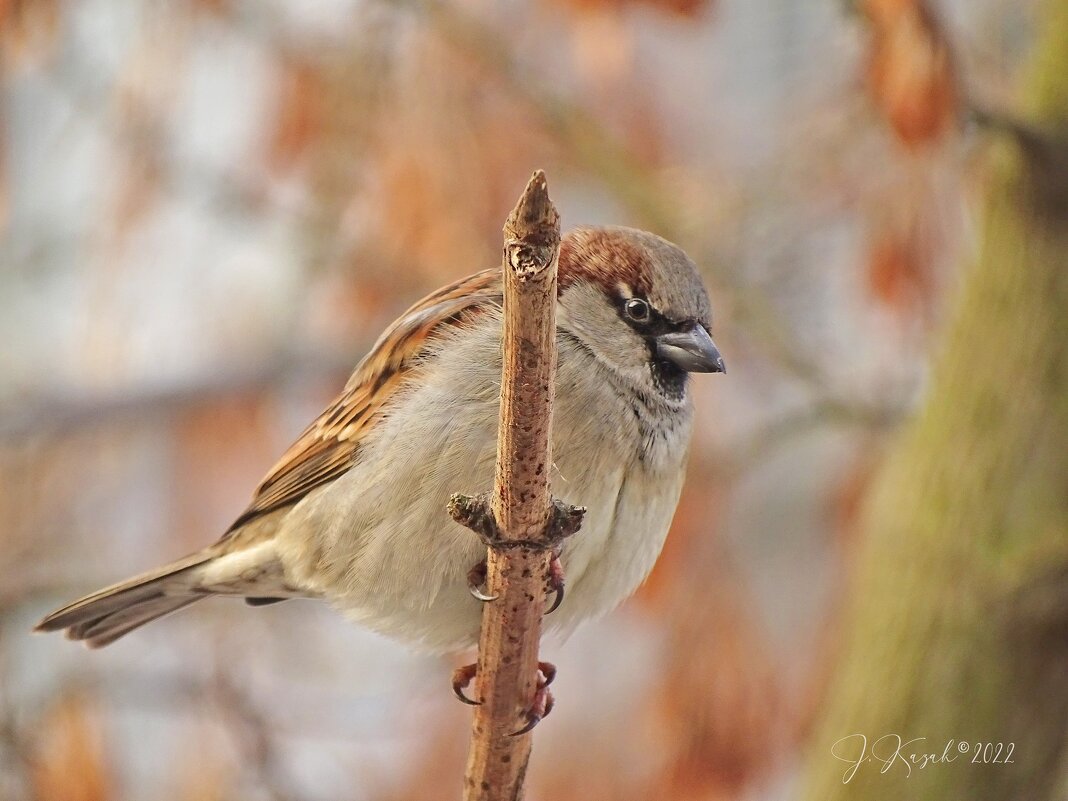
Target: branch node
564,521
476,513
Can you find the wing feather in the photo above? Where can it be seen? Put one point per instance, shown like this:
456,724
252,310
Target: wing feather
331,444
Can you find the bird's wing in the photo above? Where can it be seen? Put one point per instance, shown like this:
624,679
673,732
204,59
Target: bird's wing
330,445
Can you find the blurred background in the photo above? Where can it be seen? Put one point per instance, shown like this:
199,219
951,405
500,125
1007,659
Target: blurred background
210,208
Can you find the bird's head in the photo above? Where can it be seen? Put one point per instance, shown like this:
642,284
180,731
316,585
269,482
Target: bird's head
637,302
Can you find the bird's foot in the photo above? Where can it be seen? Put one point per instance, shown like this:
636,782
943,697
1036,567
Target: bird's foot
543,699
540,707
555,581
461,680
476,579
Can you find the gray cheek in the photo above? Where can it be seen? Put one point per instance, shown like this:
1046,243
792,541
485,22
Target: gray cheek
586,314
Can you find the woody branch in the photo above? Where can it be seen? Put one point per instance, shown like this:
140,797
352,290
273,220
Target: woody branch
521,523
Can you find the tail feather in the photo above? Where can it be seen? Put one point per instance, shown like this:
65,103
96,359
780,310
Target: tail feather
110,613
106,630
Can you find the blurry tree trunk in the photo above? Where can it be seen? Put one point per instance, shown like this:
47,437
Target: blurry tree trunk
958,628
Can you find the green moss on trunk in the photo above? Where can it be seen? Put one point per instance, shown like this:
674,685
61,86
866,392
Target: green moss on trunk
959,628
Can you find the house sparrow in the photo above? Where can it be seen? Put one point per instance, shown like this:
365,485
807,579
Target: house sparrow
354,512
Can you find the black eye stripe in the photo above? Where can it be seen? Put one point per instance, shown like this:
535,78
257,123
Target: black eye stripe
654,323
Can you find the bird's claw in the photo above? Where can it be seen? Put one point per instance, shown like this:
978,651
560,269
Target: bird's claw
539,709
461,678
548,673
555,582
476,577
543,699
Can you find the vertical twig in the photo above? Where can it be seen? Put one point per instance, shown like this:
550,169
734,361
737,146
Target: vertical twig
521,524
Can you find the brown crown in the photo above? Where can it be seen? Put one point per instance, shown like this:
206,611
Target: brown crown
606,257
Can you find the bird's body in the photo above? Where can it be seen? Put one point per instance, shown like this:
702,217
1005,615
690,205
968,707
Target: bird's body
338,543
354,513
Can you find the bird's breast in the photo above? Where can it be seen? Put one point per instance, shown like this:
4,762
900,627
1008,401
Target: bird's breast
623,458
379,543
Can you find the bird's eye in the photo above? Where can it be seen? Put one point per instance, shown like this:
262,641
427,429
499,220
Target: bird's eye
637,310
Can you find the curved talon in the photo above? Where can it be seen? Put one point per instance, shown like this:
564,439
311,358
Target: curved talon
543,699
476,577
555,582
461,677
477,593
548,672
459,693
559,599
532,721
536,716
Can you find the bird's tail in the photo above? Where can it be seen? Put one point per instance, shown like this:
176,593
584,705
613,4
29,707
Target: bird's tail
101,618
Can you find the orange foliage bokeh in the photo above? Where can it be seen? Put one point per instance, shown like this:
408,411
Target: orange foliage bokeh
70,760
910,73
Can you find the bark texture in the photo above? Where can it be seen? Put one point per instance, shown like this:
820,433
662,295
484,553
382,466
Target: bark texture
959,627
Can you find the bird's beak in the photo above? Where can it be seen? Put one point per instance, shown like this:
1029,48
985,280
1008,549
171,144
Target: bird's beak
691,350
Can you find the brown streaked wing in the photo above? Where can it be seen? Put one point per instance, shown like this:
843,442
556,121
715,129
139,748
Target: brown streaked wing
329,446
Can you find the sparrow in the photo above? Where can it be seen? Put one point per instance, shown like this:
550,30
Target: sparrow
354,512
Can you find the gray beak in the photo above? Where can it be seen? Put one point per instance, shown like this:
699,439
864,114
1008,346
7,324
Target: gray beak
692,350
